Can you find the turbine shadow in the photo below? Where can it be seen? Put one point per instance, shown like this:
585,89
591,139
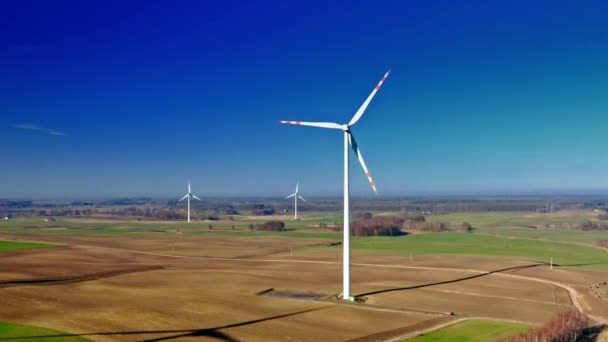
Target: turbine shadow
206,332
587,264
516,268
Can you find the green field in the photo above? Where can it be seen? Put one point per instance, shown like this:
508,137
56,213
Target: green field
522,225
473,331
512,218
450,243
9,246
559,235
473,244
23,333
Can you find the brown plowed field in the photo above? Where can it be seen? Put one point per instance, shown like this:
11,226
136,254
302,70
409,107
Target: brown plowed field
208,284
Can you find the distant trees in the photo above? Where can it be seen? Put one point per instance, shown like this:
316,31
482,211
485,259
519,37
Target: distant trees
591,225
434,206
431,227
64,212
549,208
274,226
230,211
419,223
385,226
262,210
15,204
127,201
362,215
412,222
137,212
166,214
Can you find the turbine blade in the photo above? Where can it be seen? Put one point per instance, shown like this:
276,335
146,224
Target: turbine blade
355,147
297,186
196,197
183,198
290,196
313,124
189,191
359,113
302,198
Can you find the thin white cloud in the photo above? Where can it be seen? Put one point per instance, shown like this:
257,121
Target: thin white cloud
28,126
34,127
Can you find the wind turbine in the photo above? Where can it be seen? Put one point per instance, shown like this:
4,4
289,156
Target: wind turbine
295,195
348,139
188,195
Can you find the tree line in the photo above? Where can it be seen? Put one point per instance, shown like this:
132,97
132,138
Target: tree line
564,327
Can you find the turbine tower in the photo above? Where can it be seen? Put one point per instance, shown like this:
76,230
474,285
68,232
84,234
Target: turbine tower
348,139
295,195
187,196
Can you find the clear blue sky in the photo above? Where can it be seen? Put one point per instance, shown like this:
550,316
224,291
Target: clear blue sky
103,98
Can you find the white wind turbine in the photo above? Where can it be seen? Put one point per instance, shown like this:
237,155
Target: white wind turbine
187,196
296,195
348,139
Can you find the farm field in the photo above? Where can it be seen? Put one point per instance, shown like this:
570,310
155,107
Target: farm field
142,280
28,333
549,226
9,246
473,331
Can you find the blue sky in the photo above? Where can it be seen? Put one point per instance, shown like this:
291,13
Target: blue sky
112,99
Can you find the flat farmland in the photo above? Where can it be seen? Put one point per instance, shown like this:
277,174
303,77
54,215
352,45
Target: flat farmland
162,286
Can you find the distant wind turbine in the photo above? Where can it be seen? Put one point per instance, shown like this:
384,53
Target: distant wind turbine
348,139
187,196
296,195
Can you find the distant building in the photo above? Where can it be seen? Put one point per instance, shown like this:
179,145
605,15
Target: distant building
49,219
